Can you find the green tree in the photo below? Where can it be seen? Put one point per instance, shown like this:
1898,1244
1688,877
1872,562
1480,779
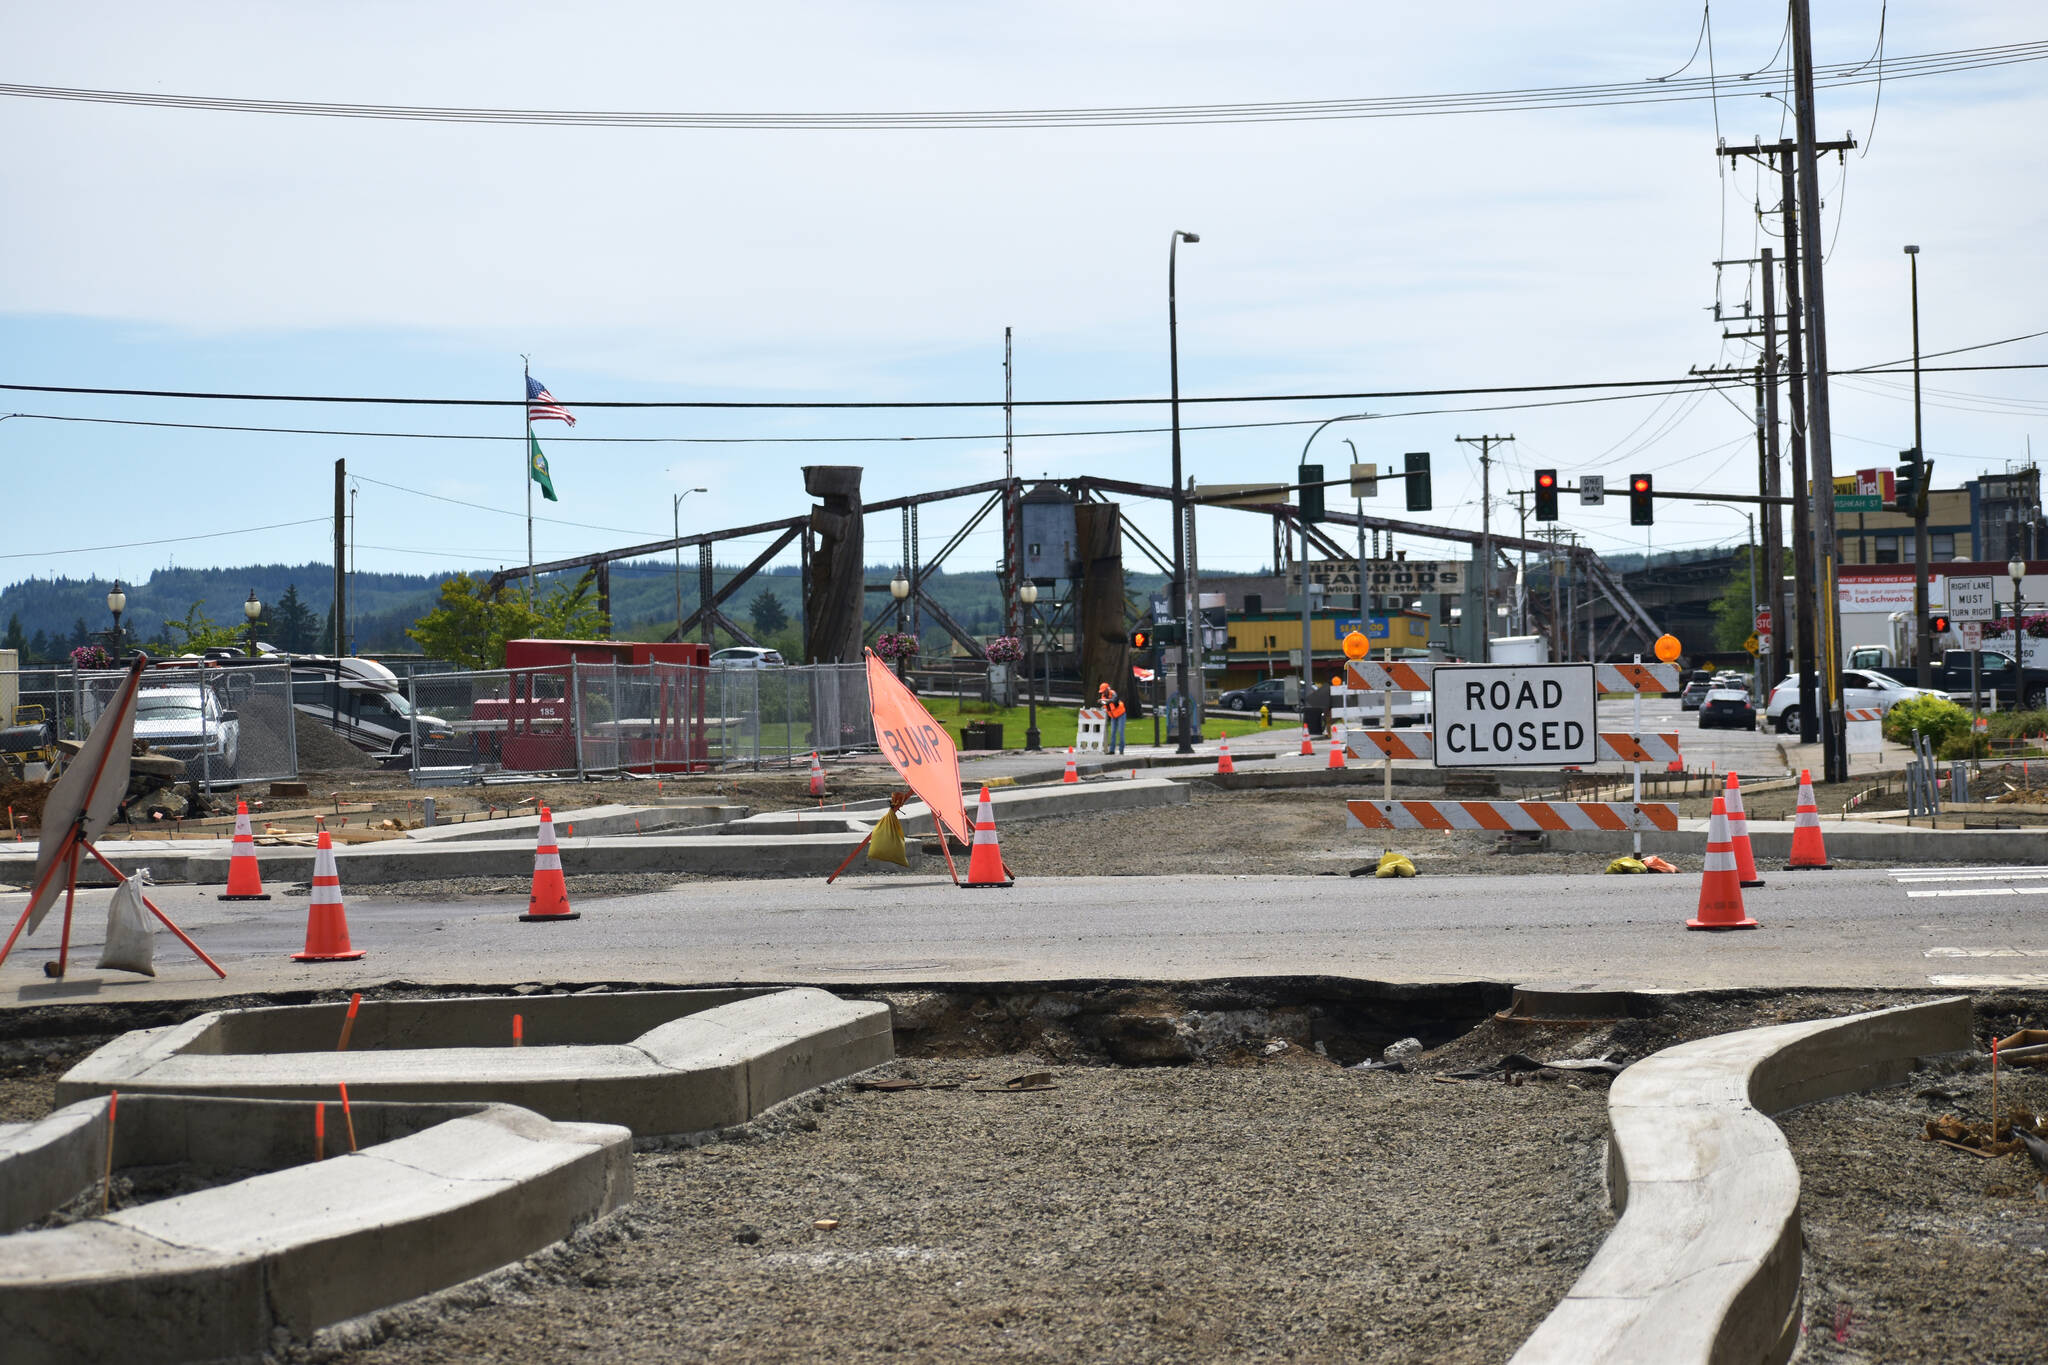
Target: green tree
471,625
766,610
1732,619
199,632
39,648
79,634
14,639
293,627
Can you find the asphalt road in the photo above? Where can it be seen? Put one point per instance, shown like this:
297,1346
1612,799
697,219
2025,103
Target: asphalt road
1966,928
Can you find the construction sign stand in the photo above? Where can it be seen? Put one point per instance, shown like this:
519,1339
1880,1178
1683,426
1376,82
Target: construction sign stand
77,813
922,753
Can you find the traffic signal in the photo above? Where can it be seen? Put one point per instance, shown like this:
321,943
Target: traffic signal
1907,482
1416,463
1642,508
1310,477
1141,638
1937,624
1546,495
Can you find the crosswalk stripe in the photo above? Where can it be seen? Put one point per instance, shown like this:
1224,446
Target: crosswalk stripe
1990,982
2017,869
1979,891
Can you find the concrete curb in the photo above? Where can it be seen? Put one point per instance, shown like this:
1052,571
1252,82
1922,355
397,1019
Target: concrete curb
1704,1264
592,822
1771,840
657,1062
214,1273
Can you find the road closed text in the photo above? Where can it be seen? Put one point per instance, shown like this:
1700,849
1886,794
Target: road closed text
1531,716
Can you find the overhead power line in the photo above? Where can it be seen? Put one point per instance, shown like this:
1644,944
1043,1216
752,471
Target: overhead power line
163,540
919,404
1596,94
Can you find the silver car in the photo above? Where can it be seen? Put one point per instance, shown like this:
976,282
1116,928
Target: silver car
189,723
747,656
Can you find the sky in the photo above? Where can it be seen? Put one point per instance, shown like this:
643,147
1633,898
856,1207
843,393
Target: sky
165,248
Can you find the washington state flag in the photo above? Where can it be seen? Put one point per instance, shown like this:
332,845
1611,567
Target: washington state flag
537,465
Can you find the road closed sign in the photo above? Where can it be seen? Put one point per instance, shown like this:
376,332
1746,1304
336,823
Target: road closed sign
1541,716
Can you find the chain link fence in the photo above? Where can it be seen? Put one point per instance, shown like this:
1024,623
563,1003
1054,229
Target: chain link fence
646,718
227,725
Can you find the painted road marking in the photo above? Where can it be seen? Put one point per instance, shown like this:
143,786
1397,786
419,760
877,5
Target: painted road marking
1988,982
1986,952
1980,891
1950,873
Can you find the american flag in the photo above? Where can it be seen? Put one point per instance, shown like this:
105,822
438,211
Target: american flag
541,405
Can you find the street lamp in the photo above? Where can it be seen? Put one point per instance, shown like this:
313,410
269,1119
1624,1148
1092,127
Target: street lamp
676,514
1178,592
899,588
1027,593
117,602
2016,570
252,609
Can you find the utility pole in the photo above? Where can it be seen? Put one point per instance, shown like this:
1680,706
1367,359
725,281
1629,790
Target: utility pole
1774,526
1522,574
340,641
1486,445
1821,453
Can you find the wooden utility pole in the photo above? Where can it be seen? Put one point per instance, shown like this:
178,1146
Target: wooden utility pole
1774,527
340,641
1486,445
1821,451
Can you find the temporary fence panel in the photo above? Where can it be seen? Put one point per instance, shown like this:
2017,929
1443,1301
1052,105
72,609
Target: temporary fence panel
643,718
228,725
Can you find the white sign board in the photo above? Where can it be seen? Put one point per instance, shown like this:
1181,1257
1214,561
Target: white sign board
1535,716
1972,633
1592,490
1969,599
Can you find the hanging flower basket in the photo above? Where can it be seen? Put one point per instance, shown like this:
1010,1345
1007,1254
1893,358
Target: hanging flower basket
1005,649
91,656
890,645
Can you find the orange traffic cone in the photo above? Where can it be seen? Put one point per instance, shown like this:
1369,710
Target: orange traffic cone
1738,831
985,862
326,917
1071,775
1223,763
1308,748
1721,888
817,775
1336,751
549,899
245,881
1809,850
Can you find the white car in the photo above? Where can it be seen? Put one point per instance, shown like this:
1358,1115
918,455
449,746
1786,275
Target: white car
1860,691
186,723
747,656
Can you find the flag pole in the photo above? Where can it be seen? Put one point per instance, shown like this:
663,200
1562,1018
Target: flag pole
526,462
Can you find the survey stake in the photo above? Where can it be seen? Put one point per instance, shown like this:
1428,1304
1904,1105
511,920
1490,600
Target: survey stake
1539,716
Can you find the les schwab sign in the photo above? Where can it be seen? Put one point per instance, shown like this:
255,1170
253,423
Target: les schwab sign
1541,716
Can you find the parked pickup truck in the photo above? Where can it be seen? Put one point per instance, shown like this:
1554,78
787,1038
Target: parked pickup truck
1998,674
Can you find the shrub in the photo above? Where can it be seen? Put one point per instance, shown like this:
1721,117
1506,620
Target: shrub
1965,745
1938,718
2017,724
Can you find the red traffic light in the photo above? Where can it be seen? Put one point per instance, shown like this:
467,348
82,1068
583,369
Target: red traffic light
1640,484
1546,479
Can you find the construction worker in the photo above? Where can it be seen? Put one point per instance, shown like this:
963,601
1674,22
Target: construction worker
1113,731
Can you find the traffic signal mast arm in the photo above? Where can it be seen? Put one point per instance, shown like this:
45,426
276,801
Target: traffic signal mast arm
1673,493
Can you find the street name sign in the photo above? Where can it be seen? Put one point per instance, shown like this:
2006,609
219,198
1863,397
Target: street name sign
1969,599
1537,716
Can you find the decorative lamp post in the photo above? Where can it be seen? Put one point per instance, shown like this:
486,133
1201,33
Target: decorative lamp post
1027,593
675,508
899,588
1177,593
252,609
2016,570
117,602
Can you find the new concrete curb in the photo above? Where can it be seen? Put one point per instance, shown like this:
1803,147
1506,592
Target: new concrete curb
657,1062
214,1273
1704,1264
591,822
1771,840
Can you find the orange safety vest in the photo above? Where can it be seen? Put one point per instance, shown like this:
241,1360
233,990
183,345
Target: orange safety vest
1116,710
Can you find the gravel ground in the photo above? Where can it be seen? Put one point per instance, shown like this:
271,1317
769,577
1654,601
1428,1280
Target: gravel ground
1285,1210
1916,1251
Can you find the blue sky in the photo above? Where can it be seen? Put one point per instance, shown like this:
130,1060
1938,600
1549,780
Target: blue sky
172,249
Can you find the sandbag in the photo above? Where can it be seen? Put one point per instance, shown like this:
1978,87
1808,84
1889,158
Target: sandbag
887,844
131,940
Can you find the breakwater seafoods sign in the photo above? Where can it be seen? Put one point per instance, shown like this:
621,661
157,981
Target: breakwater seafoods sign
1542,716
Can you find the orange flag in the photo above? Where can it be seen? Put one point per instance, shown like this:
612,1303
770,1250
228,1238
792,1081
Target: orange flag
917,747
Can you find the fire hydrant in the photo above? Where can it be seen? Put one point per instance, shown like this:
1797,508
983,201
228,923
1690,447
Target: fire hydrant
1266,715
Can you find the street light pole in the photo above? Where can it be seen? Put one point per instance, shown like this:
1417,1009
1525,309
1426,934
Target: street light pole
1923,645
1178,591
252,609
675,508
1027,594
899,588
117,602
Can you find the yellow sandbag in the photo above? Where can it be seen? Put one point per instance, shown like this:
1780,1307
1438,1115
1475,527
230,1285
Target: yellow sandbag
1395,865
887,845
1626,864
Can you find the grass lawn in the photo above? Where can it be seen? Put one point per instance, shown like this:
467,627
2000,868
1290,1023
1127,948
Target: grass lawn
1058,725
